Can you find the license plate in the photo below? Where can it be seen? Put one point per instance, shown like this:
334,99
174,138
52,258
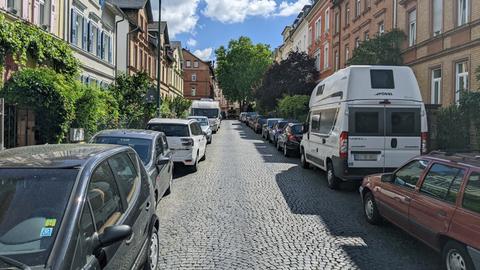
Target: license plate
366,157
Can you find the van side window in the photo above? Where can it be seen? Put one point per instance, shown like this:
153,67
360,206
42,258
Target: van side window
409,174
320,90
324,121
471,196
315,126
382,79
443,182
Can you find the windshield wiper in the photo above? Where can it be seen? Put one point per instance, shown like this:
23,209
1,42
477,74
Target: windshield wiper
15,263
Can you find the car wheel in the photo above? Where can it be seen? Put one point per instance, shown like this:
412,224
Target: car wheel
456,257
332,180
153,251
286,153
303,160
204,155
194,167
370,209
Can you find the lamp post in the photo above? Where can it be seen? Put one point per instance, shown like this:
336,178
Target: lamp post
159,60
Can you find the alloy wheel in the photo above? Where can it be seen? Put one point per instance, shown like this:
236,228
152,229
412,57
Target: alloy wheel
154,250
455,261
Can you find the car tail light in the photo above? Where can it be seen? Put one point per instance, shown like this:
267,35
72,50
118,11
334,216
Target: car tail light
343,145
424,140
187,141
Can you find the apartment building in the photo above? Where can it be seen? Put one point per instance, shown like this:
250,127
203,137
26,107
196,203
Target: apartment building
199,77
442,47
281,53
300,31
175,70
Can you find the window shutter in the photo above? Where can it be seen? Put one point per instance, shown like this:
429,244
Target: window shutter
53,17
73,28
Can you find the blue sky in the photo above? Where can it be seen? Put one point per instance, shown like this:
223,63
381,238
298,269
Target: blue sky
204,25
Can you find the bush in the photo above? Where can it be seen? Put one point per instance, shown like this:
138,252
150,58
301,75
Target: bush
294,107
179,106
50,95
452,132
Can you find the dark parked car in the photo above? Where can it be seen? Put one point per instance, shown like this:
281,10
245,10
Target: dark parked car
152,148
76,207
435,198
289,140
268,126
276,130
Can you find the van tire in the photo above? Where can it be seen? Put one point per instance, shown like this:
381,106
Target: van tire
332,181
453,250
370,209
303,160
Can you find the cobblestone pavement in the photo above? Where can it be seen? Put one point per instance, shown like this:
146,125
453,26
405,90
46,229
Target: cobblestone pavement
248,207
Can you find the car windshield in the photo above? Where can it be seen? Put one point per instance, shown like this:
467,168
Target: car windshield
203,121
297,129
171,130
143,147
32,204
210,113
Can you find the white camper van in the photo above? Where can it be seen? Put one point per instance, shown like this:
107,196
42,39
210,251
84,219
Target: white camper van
364,120
209,108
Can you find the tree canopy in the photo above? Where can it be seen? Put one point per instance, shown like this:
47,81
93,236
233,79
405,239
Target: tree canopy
295,75
240,68
380,50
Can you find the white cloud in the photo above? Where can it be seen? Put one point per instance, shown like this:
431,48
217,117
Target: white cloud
181,15
205,54
191,42
288,9
235,11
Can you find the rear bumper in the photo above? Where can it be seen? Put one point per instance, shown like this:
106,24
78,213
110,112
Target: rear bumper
293,146
183,156
345,173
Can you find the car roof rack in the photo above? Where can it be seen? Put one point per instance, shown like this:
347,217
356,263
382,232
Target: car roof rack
458,155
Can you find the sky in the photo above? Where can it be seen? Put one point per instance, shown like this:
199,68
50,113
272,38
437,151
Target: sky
204,25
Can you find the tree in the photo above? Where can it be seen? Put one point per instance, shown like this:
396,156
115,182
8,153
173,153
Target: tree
240,68
179,106
295,75
295,107
380,50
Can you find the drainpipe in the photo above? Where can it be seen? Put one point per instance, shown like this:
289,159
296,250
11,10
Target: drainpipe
66,23
394,14
116,46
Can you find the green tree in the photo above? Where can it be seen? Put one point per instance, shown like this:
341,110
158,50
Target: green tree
240,68
295,75
295,107
380,50
179,106
131,95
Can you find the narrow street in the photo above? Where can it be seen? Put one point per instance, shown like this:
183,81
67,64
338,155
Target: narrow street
248,207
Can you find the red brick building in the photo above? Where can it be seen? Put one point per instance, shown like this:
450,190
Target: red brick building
198,77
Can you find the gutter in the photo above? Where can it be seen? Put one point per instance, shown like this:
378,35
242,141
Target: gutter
394,14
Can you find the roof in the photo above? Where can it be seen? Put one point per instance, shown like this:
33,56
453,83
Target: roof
135,4
176,44
170,121
129,133
470,157
154,26
52,156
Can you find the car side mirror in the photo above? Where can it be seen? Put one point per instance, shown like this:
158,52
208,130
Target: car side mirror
305,128
387,178
163,161
112,235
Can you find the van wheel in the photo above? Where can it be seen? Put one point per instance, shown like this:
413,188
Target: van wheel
370,209
153,251
303,160
455,256
332,180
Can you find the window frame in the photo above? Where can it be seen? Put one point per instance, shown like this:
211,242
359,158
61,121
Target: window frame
461,197
460,23
461,186
432,88
420,178
358,8
465,75
412,27
440,18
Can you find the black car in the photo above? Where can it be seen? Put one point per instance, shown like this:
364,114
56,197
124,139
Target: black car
152,148
289,140
76,207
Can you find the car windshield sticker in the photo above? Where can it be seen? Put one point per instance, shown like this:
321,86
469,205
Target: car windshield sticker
50,222
46,232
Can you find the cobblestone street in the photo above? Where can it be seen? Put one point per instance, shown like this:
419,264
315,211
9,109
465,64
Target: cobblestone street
248,207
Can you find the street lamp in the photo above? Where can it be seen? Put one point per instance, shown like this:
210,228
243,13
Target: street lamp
159,60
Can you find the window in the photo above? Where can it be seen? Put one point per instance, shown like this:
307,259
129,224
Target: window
471,195
403,122
337,60
194,77
366,37
326,63
412,27
382,79
104,197
318,28
347,54
317,59
194,91
366,122
461,80
125,173
310,37
347,13
436,93
195,64
462,14
381,28
443,182
189,64
320,90
99,42
315,125
337,22
358,8
408,175
324,121
43,14
78,34
15,7
357,42
327,20
367,4
437,11
170,130
92,36
196,129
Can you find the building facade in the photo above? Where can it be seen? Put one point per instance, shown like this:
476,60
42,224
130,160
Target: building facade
442,47
281,53
199,77
300,31
175,70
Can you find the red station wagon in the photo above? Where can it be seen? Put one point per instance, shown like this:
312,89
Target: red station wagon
435,198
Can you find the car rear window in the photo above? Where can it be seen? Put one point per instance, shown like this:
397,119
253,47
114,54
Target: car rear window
141,146
403,122
443,182
382,79
471,196
171,130
297,129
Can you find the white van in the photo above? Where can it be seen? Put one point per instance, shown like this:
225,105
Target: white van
364,120
209,108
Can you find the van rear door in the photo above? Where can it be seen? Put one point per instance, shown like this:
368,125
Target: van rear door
403,134
366,136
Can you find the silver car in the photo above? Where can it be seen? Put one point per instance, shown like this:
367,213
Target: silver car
203,120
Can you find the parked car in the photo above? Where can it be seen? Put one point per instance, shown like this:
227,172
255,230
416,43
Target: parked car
152,148
76,207
289,140
276,130
251,120
364,120
185,138
242,117
269,126
260,120
205,126
435,198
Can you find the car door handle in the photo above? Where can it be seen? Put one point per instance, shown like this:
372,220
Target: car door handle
130,240
441,213
324,141
148,206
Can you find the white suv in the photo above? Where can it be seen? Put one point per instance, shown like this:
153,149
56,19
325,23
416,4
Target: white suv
185,138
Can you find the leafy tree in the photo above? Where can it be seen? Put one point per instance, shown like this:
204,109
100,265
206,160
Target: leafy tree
179,106
380,50
295,75
240,68
130,93
295,107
